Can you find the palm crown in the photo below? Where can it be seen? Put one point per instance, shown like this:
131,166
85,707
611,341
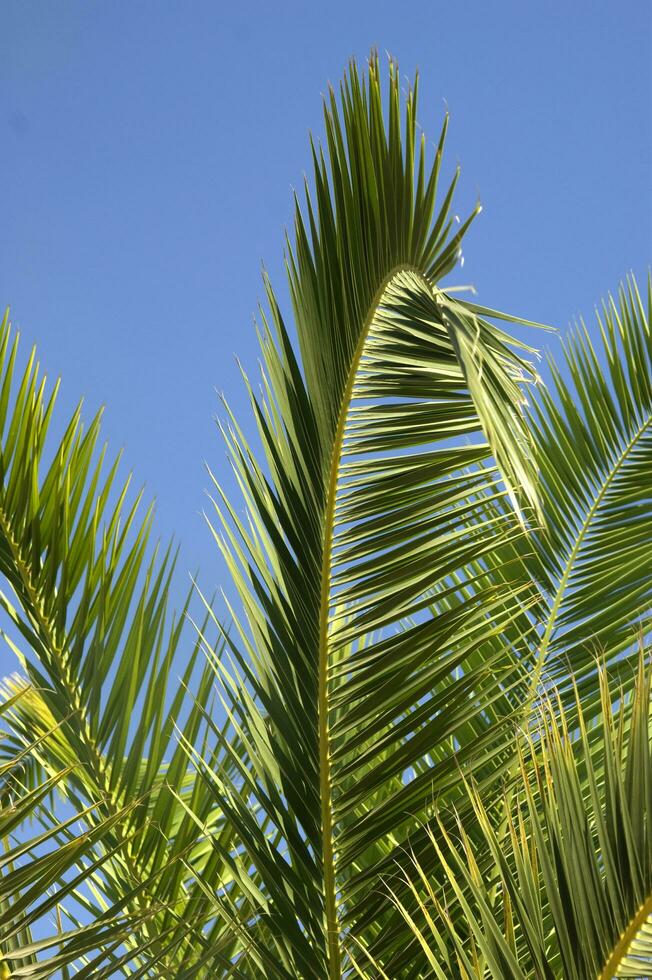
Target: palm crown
420,747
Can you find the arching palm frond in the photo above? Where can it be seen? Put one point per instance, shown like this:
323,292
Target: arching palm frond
593,438
342,682
85,608
590,558
570,889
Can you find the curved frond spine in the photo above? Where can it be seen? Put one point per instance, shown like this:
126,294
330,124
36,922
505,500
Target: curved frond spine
333,576
593,440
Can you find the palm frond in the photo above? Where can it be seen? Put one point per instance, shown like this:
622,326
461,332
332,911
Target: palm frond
593,439
590,559
591,434
341,682
86,602
570,891
44,859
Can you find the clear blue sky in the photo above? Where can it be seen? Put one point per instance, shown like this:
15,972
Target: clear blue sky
149,150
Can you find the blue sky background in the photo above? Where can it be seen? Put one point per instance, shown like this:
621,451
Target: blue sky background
148,155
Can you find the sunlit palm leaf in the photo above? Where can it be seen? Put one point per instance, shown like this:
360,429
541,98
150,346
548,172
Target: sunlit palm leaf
44,860
85,608
591,559
342,681
593,437
570,892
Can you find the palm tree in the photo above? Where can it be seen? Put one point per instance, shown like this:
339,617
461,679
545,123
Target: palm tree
420,746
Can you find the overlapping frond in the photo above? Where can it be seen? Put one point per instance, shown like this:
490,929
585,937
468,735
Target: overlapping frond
44,858
590,557
593,439
569,892
85,609
342,682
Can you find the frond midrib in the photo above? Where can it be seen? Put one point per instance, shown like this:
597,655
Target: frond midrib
626,938
572,557
330,887
100,775
48,634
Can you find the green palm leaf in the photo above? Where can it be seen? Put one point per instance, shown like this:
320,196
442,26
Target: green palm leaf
591,559
570,891
86,602
341,679
43,860
593,438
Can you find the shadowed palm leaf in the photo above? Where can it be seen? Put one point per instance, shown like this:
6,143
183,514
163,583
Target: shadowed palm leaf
568,892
